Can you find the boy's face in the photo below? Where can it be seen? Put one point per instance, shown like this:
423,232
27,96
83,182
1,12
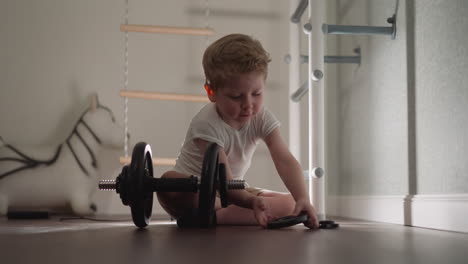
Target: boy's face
240,99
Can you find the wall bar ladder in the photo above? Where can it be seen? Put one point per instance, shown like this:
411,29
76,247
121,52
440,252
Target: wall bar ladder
362,30
343,59
299,11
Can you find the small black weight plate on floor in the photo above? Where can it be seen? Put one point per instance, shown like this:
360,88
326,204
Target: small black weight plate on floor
287,221
141,167
325,222
207,192
302,218
328,224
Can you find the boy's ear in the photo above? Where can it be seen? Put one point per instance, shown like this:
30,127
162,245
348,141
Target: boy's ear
210,93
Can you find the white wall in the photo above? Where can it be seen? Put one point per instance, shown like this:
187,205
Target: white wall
368,116
400,118
55,53
441,96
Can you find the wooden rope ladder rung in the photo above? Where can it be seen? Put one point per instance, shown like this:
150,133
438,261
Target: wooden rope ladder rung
167,30
156,161
164,96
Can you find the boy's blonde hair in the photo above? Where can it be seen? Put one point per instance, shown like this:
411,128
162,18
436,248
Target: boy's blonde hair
231,56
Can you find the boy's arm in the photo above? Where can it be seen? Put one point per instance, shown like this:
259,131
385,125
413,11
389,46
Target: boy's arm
291,174
240,198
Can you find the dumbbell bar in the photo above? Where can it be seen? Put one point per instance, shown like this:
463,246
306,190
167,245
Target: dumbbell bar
190,184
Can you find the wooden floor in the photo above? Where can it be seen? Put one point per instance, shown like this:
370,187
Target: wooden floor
83,241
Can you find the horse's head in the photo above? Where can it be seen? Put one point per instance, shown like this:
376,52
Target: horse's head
101,122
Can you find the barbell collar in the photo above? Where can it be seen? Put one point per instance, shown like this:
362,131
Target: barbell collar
235,184
107,185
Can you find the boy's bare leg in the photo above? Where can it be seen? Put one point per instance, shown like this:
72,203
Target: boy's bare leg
177,203
281,204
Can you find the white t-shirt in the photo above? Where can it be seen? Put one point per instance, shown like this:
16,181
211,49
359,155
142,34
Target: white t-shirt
239,145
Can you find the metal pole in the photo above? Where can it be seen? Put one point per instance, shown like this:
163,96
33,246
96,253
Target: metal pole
316,107
294,79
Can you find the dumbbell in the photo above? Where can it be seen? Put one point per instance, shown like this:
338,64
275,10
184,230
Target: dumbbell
136,185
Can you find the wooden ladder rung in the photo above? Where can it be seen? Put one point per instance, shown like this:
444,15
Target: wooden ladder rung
167,30
156,161
164,96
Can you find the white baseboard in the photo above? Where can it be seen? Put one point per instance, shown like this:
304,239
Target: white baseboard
387,209
445,212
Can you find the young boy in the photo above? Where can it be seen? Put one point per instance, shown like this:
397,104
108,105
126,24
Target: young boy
236,68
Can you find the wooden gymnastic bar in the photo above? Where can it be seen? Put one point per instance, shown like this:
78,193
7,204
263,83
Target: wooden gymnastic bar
164,96
167,30
156,161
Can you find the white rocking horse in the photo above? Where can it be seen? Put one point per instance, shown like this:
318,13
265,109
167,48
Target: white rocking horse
62,180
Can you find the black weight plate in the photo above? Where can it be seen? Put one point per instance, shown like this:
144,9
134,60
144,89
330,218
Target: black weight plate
122,184
328,224
294,220
207,193
222,185
141,202
287,221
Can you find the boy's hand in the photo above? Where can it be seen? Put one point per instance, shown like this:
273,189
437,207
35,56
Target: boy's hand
261,211
304,206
